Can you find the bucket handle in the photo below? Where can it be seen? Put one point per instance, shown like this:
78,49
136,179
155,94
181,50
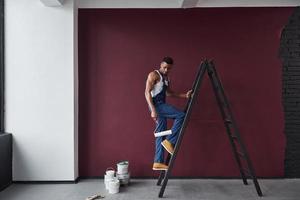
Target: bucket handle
110,168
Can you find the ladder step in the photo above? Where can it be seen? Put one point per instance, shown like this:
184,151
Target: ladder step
247,172
241,154
234,137
225,104
228,121
216,88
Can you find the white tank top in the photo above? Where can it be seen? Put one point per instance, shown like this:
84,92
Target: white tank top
158,87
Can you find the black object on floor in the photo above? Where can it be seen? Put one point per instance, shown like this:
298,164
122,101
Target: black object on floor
5,160
238,148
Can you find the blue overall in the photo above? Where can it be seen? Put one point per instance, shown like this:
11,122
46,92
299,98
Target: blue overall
164,112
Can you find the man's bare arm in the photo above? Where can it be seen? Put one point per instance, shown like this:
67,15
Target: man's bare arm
171,93
151,80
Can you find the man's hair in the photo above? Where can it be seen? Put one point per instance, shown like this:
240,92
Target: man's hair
168,60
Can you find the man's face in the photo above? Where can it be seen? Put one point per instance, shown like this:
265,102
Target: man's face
165,68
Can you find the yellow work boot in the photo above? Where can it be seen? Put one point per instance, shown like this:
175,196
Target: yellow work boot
159,166
168,146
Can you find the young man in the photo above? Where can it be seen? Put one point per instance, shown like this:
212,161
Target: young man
157,88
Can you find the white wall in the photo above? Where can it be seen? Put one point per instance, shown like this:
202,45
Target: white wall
76,87
40,89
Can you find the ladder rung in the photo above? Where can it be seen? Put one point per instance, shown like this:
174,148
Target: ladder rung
228,121
241,154
247,172
234,137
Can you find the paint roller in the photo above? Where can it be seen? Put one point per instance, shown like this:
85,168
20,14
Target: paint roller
163,133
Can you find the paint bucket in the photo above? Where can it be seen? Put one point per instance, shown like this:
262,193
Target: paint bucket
124,178
109,176
122,167
107,179
110,172
113,186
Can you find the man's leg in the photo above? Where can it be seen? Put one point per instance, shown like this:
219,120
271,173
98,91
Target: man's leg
159,151
171,112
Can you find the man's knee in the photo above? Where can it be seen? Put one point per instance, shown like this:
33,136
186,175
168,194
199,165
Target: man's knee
161,120
181,115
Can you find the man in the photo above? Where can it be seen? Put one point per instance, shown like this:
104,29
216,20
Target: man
157,88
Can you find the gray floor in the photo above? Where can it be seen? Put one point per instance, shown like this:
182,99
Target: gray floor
205,189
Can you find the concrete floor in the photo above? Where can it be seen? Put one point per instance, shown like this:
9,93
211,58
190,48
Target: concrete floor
205,189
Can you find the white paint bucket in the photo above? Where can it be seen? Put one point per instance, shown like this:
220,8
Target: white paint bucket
107,179
122,167
114,186
110,172
124,178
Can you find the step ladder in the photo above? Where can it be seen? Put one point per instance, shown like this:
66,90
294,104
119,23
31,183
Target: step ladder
240,154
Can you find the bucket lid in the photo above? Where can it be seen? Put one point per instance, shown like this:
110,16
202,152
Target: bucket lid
125,162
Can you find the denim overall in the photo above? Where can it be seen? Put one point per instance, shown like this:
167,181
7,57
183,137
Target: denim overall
164,112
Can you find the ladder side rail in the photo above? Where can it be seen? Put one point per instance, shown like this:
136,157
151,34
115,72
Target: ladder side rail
224,117
236,132
162,173
184,124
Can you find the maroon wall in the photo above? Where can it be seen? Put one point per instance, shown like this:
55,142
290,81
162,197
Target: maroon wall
118,48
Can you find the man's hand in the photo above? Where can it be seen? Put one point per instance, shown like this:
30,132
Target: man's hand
154,115
189,94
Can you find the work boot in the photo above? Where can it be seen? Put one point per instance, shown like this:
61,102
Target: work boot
168,146
159,166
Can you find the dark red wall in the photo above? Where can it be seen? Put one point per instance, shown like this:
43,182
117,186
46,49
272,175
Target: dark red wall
118,48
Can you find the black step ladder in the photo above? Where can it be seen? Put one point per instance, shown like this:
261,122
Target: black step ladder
240,154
